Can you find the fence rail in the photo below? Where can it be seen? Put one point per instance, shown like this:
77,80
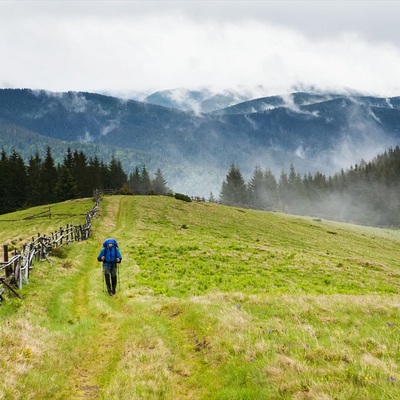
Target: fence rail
14,271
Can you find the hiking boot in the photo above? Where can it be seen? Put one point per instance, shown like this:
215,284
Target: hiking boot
110,292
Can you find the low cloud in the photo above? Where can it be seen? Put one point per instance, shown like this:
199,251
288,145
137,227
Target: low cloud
75,103
125,48
109,127
87,138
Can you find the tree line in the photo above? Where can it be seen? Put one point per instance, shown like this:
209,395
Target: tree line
42,181
366,193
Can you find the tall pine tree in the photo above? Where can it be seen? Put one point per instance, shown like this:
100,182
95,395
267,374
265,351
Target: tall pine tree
159,183
145,182
134,181
117,176
234,190
34,186
257,189
48,178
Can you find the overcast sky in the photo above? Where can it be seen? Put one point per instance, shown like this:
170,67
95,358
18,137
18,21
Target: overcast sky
123,47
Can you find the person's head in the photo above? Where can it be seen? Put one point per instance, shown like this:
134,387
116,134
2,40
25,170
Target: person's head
110,244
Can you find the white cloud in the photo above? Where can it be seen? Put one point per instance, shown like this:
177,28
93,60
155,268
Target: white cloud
146,46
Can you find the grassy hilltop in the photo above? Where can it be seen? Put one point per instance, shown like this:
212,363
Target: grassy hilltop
214,303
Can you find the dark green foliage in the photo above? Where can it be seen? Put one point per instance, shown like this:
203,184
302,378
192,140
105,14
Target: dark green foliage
145,182
134,181
83,181
234,191
95,170
159,183
125,190
141,182
34,195
257,188
368,193
116,176
42,182
66,187
183,197
48,179
262,189
13,179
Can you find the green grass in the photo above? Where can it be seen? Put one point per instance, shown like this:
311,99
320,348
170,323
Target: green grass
19,227
215,303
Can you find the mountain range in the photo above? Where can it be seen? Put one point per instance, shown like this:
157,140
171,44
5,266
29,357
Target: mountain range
194,136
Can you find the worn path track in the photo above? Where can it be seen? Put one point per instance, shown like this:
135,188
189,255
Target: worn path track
106,316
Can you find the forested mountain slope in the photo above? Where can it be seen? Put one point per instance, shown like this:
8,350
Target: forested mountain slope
314,132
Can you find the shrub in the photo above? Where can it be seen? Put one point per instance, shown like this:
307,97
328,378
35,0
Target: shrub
125,190
184,197
59,252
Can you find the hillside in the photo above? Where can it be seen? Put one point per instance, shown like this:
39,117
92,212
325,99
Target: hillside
214,302
324,132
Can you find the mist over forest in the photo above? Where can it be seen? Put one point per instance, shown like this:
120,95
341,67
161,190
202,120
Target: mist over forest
366,193
194,137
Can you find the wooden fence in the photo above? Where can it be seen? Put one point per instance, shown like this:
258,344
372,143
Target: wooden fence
14,270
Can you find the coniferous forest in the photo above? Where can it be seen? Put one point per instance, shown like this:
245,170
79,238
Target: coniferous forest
41,181
367,193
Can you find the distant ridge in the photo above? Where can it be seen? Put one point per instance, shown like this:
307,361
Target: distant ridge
313,131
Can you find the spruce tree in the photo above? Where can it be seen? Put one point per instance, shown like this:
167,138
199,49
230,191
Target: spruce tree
18,180
34,187
5,178
83,179
234,191
68,162
134,181
159,183
145,182
66,187
283,191
270,200
117,175
94,172
105,176
257,190
48,177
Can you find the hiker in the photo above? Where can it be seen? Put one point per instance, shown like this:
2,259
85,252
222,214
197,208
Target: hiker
110,256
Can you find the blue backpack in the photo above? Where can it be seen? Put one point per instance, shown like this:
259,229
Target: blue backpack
110,253
110,240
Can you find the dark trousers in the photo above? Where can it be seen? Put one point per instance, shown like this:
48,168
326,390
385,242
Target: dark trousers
110,275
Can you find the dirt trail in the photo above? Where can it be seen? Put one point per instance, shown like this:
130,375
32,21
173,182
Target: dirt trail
105,316
128,343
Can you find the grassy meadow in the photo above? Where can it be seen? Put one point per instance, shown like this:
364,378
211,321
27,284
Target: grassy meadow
214,303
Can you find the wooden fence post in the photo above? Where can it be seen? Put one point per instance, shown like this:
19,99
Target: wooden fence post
39,248
8,269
